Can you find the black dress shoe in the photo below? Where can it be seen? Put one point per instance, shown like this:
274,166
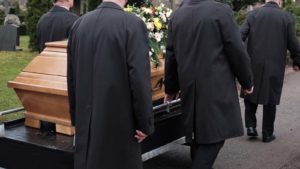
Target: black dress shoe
268,139
251,131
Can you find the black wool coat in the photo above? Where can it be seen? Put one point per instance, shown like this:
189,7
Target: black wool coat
270,31
109,88
205,54
55,25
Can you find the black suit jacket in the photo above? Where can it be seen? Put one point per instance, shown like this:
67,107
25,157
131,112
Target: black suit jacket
55,25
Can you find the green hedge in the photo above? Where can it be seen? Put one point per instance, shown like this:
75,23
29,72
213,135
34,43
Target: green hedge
36,8
93,4
2,17
241,15
23,30
295,10
23,18
239,4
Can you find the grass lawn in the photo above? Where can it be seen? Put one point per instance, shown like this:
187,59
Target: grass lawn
11,64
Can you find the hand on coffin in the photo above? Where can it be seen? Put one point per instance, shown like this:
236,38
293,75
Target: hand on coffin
248,91
140,136
170,97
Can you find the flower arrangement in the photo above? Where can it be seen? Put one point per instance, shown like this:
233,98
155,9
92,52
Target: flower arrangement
156,20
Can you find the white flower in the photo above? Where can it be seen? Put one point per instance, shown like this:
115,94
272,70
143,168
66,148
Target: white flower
150,26
151,35
162,47
148,11
158,36
169,13
163,17
150,53
162,34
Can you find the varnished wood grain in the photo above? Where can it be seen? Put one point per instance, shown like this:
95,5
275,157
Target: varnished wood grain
42,88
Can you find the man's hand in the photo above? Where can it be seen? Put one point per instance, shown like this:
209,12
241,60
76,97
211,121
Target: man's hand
140,136
296,68
170,97
248,91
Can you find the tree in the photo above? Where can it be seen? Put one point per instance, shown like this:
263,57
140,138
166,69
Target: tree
36,8
239,4
295,10
2,16
139,3
93,4
228,2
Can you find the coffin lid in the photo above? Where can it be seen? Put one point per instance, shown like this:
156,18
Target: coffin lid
46,72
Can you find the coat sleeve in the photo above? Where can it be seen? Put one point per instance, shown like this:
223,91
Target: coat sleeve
171,74
245,29
235,50
293,43
139,75
71,72
71,18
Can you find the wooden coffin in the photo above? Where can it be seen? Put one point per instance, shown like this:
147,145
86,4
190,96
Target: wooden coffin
42,88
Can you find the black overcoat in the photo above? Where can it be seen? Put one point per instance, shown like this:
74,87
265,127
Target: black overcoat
54,25
109,88
270,31
205,53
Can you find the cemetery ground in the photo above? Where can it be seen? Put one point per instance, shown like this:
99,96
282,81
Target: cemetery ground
11,64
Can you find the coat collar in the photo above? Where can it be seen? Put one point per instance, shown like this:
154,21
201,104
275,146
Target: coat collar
110,5
56,8
272,5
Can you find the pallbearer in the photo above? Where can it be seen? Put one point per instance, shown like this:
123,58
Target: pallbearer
109,87
55,25
204,55
270,32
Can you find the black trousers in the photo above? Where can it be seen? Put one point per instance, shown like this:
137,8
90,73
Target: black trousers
269,114
204,155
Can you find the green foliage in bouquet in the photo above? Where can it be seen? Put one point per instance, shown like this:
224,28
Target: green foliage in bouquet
36,8
156,20
240,16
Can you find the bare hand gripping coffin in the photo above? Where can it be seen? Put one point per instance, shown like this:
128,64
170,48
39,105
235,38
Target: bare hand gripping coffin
42,88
